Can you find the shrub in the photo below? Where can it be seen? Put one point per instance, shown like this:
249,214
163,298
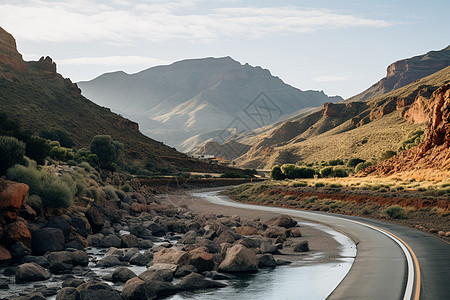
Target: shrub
233,175
326,172
107,150
299,184
30,176
37,148
394,211
57,135
353,162
276,173
11,152
110,192
387,154
56,194
292,171
127,188
362,166
319,184
335,162
338,172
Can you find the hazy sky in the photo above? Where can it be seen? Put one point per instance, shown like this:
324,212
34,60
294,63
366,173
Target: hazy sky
340,47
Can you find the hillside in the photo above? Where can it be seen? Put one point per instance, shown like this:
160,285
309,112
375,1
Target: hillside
406,71
434,152
41,99
343,130
194,98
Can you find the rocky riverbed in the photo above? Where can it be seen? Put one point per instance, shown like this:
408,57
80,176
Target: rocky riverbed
140,247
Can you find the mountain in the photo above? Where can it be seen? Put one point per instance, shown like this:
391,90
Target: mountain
195,97
406,71
41,99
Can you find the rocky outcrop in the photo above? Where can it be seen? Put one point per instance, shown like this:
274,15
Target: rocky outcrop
404,72
434,151
12,195
8,52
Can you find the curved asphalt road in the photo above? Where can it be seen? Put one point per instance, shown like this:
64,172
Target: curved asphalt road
380,270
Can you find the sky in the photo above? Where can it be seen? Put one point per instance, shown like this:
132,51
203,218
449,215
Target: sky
340,47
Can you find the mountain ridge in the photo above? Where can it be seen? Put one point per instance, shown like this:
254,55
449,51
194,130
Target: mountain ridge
196,96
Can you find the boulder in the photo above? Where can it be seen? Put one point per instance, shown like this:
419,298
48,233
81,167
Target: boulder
68,293
129,241
19,250
47,239
5,255
141,259
185,270
111,241
239,259
268,247
81,225
122,274
95,218
157,275
171,268
13,195
227,237
301,246
17,232
80,258
295,232
73,282
196,281
246,230
171,256
94,240
283,221
109,261
266,261
31,272
275,232
93,290
35,202
61,223
32,296
201,259
137,289
40,260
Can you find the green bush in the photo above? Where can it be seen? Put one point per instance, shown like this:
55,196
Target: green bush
292,171
395,212
28,175
299,184
387,154
333,172
56,194
353,162
37,148
414,139
335,162
233,175
276,173
11,152
326,172
362,166
127,188
57,135
107,150
319,184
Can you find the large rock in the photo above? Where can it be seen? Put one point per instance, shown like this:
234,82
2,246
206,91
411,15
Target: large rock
266,261
17,232
137,289
129,241
122,274
171,256
201,259
31,272
81,225
196,281
301,246
283,221
68,293
94,290
275,231
95,218
239,259
47,239
12,195
61,223
109,261
111,241
5,255
246,230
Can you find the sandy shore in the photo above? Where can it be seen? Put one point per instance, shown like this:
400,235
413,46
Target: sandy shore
323,247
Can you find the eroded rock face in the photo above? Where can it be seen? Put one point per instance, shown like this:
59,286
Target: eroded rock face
434,151
8,52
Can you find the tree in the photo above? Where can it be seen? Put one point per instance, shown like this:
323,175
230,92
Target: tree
276,173
107,150
11,152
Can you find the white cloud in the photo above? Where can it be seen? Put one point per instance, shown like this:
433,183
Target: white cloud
113,61
332,78
158,20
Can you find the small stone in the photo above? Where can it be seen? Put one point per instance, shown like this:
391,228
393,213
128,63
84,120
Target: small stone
301,247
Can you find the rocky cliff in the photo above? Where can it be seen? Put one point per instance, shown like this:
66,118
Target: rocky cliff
406,71
434,151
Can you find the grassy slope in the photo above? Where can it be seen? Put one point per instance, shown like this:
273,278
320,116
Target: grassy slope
346,141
